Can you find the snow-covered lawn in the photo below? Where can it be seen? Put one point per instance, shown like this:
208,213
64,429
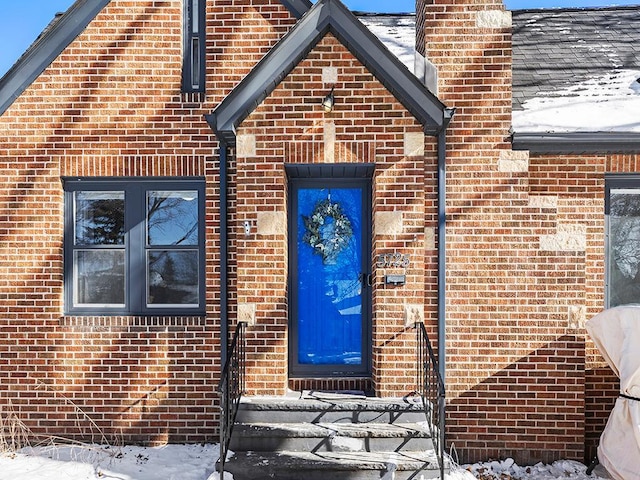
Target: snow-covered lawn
196,462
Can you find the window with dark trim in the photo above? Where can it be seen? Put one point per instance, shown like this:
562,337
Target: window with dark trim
134,246
193,57
622,208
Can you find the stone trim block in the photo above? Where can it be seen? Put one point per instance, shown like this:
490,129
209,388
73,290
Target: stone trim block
246,145
330,75
414,144
513,161
569,238
543,201
577,317
493,19
413,313
430,238
329,142
271,223
389,223
247,313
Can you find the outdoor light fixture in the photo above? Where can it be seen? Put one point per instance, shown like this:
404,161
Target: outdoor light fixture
329,101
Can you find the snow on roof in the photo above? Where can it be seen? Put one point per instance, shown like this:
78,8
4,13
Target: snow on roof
608,102
397,32
574,70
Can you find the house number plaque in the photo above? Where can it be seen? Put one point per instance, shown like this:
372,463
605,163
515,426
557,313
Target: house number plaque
393,260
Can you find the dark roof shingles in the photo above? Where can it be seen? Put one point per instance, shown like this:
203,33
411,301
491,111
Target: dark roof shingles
560,47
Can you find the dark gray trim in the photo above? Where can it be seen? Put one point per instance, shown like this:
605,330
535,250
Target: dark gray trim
442,245
46,49
330,170
324,17
135,246
297,7
189,53
224,254
577,142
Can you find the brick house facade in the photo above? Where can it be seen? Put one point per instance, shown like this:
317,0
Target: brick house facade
524,240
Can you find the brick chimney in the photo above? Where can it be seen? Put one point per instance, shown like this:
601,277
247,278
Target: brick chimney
469,42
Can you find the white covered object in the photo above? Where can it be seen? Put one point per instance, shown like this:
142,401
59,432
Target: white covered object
616,333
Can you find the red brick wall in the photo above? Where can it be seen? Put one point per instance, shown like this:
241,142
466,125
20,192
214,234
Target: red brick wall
290,127
515,366
523,380
525,262
110,105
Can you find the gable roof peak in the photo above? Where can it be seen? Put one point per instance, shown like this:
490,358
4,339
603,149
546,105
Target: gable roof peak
59,34
324,17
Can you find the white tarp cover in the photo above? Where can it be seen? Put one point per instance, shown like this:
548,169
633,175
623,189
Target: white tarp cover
616,333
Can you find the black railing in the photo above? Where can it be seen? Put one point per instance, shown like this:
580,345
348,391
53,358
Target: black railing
431,388
230,390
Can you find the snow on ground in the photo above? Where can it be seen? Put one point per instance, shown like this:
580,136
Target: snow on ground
197,462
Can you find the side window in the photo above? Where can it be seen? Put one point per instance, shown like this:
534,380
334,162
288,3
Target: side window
622,208
134,246
193,56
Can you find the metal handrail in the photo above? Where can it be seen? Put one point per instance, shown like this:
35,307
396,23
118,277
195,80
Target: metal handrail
230,390
431,389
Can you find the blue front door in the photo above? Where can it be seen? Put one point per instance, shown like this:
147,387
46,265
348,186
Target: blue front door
330,326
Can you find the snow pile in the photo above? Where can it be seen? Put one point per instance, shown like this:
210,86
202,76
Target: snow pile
197,462
508,469
96,462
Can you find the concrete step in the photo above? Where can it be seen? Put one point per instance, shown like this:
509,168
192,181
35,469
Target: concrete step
285,465
330,409
330,437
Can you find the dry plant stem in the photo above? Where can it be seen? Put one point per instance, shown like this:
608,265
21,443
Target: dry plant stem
14,434
81,414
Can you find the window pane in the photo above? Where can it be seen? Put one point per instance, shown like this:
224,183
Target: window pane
624,247
172,278
99,218
99,277
195,16
195,63
172,218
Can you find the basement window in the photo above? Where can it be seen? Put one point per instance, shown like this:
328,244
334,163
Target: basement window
134,247
622,208
193,56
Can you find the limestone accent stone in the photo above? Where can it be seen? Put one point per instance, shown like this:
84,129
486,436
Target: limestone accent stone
493,19
430,238
389,223
513,161
569,238
270,223
414,144
330,75
577,317
543,201
413,313
247,313
246,145
329,142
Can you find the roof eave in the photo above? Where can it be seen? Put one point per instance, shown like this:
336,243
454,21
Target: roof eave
297,7
53,42
577,142
46,49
